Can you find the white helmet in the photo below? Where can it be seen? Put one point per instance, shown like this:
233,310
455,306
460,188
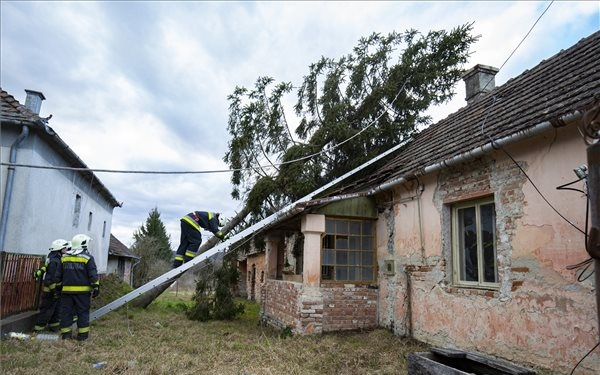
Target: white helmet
222,220
79,243
59,245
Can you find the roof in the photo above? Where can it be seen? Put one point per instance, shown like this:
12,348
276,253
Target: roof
14,113
561,85
117,248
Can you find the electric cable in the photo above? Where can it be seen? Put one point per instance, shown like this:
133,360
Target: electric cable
584,357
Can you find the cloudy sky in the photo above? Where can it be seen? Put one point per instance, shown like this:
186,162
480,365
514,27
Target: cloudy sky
143,86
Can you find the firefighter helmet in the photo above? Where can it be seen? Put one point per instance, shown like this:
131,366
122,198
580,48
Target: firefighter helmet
59,244
222,220
79,243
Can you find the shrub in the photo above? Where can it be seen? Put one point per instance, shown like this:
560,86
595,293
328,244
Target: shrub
111,288
213,298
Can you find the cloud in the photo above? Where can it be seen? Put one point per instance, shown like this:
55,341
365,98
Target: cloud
144,85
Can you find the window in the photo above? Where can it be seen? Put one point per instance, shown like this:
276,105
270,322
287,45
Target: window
348,250
90,221
76,210
474,243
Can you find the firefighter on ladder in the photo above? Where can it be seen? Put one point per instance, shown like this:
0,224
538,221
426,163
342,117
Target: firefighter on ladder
192,225
49,306
78,276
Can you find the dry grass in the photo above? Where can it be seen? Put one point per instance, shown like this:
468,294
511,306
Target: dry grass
161,340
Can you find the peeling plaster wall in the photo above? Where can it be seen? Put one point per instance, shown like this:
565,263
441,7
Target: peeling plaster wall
255,275
540,315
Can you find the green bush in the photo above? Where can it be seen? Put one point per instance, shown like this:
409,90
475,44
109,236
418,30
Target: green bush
213,298
111,288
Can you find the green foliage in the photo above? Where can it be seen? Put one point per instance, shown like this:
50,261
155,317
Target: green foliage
213,298
286,332
155,228
111,288
149,265
352,108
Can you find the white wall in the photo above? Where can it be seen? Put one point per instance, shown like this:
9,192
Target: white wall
43,202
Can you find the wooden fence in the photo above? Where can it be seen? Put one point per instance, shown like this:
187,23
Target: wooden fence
19,291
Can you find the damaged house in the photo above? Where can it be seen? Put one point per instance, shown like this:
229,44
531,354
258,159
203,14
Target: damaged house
472,235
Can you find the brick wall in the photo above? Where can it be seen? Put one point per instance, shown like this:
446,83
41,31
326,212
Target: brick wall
316,310
279,303
349,307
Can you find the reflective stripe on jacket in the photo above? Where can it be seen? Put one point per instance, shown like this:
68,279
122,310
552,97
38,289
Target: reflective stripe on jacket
204,220
78,273
51,268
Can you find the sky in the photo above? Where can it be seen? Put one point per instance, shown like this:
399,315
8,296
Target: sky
143,85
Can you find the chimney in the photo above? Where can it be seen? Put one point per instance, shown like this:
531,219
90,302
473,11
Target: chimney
33,101
479,80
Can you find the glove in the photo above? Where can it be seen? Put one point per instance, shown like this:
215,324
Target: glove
95,291
37,274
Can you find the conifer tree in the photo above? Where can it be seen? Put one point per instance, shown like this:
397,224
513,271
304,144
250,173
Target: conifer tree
154,228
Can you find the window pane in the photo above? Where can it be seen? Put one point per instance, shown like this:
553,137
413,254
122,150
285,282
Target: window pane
367,243
367,227
341,227
354,243
367,258
328,256
329,226
467,244
341,273
341,257
355,227
353,258
341,242
488,242
367,273
353,273
327,272
329,242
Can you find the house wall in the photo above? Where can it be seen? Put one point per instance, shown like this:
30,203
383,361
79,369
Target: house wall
43,202
255,275
113,267
305,304
541,315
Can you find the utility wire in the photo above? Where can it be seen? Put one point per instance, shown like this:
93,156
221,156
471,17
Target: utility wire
272,165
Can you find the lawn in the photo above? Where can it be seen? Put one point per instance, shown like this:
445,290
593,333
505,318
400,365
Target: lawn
162,340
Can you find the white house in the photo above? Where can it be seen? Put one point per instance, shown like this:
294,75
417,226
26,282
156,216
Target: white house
47,191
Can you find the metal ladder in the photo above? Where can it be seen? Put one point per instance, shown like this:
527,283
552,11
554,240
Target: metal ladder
287,211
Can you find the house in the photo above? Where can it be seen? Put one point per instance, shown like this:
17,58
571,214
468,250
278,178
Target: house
47,191
121,260
472,236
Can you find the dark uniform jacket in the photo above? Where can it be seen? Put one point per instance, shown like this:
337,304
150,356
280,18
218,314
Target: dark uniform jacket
51,269
204,220
78,273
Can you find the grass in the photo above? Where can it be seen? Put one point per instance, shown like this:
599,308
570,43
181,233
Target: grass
161,340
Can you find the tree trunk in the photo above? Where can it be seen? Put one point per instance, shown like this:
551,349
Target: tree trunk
147,298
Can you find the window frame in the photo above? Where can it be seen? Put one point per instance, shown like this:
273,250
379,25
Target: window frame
358,252
456,251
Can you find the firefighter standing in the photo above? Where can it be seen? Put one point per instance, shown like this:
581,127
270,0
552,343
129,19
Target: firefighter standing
49,306
78,276
191,233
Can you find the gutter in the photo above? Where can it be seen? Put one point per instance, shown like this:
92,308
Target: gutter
10,178
468,155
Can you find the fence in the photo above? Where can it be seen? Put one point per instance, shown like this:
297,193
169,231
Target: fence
19,291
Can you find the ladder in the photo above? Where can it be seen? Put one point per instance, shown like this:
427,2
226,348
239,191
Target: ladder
220,249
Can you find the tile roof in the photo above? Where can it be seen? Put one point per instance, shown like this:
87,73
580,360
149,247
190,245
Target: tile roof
13,113
563,84
117,248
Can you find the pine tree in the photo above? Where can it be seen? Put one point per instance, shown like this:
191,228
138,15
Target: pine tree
155,229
